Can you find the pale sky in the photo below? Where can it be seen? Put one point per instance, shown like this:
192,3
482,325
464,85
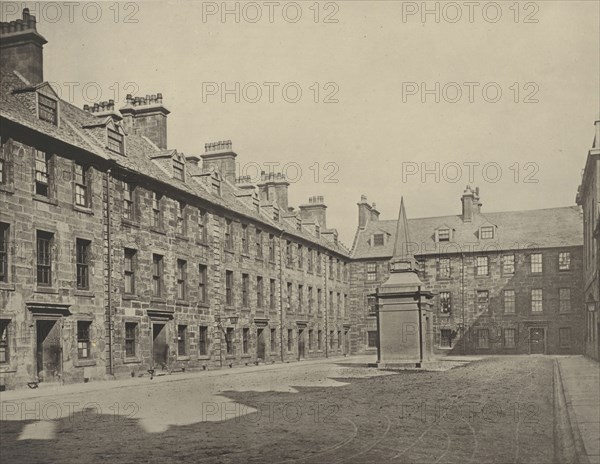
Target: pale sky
370,56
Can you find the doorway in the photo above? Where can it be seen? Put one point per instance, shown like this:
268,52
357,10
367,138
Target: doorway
537,340
160,348
260,344
301,344
48,350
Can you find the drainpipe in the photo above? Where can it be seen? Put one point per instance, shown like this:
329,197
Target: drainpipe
420,326
326,288
109,274
281,297
462,290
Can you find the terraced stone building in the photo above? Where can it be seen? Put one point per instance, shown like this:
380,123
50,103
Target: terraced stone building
120,255
506,282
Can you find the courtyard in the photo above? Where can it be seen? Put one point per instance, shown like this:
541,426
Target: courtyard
488,410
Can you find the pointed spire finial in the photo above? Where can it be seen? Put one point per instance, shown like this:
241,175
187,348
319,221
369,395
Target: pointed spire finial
403,258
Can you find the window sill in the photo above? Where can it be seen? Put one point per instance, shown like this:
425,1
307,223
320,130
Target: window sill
130,223
245,254
230,356
132,360
182,302
158,300
229,250
259,259
84,293
84,362
157,230
203,243
181,237
7,287
183,358
7,189
8,369
246,356
43,199
129,296
49,290
203,357
202,304
83,209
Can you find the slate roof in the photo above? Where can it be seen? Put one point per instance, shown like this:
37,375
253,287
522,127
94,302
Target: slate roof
514,230
79,128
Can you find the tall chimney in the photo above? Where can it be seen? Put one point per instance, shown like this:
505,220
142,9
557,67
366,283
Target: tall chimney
221,157
314,211
597,138
274,186
374,213
467,200
147,116
364,212
21,48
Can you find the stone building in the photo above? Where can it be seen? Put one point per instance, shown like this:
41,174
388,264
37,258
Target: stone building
120,255
508,282
588,197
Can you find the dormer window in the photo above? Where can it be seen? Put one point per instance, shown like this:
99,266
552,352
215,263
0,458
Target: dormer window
444,235
47,109
486,232
178,171
378,240
115,141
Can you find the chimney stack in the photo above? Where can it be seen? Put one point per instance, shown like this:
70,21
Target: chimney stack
470,203
274,186
374,213
314,211
146,116
221,157
21,48
364,212
597,138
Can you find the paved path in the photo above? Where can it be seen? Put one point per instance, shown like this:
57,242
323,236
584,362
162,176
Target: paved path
581,384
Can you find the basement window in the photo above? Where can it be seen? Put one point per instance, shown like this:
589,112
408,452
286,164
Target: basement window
47,109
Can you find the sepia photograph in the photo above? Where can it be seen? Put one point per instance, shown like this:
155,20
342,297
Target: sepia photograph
310,231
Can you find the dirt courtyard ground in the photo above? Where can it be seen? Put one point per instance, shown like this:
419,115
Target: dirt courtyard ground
495,410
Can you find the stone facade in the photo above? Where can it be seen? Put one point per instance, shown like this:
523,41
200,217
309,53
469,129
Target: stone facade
588,197
168,263
500,287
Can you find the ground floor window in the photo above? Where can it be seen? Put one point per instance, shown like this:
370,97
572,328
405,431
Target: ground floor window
509,338
564,336
181,340
229,340
339,339
320,339
130,338
483,338
4,350
83,339
446,338
372,339
273,340
331,340
310,339
203,340
245,337
290,339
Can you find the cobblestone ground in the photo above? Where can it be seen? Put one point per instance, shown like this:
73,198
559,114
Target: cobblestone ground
495,410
